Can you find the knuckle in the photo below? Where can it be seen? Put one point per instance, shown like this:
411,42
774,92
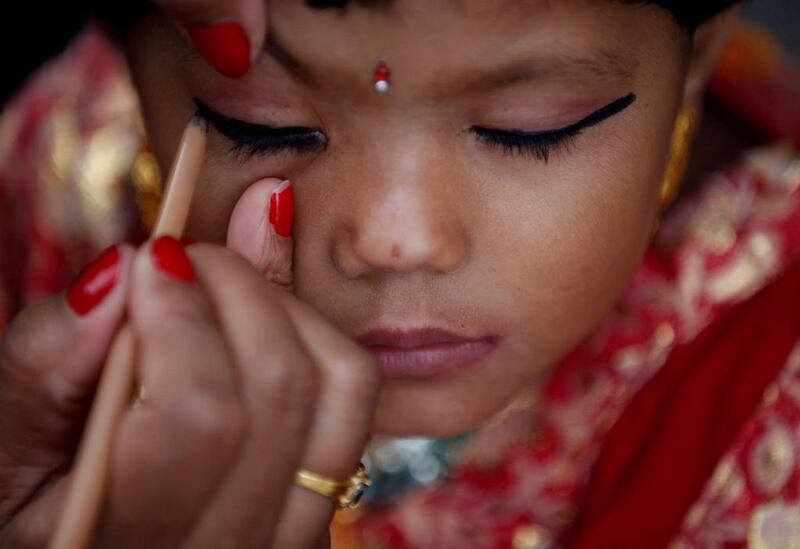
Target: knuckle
14,350
208,418
288,383
212,253
355,375
180,311
276,261
24,341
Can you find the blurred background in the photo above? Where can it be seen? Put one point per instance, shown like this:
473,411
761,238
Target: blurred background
782,17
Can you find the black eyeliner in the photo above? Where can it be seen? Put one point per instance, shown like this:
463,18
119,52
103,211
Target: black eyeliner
542,143
593,119
261,139
606,112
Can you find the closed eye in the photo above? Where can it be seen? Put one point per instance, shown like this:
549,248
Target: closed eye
256,139
542,144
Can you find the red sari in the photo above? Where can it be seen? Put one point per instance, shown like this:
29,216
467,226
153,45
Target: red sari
660,452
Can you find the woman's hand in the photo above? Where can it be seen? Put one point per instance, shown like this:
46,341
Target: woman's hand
229,34
243,385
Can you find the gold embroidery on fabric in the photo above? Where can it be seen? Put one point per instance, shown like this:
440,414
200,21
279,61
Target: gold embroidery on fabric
695,517
531,537
724,488
791,177
771,394
62,129
779,165
628,360
772,460
792,387
87,152
793,365
774,525
730,492
665,335
106,163
147,183
757,259
689,286
58,140
713,224
722,475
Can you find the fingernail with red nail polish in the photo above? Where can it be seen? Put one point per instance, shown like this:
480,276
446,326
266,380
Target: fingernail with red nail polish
94,282
170,258
281,209
224,45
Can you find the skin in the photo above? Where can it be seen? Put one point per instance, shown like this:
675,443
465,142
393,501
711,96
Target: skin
405,220
250,14
405,203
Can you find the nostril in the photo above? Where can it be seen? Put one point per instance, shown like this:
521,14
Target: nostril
355,254
399,241
344,257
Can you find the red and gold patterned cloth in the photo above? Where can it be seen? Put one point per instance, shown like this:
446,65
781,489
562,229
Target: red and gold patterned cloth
524,477
68,143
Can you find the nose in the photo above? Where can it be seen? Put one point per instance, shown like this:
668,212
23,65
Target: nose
405,218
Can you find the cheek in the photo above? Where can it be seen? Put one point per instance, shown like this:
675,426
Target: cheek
214,201
224,181
570,248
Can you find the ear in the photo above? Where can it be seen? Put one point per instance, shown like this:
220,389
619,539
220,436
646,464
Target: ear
709,40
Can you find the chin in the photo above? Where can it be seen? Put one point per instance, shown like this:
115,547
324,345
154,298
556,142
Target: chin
453,404
400,414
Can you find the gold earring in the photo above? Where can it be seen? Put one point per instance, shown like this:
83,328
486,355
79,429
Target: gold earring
682,134
147,185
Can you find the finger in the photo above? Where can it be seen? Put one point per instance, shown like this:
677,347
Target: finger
260,229
349,381
175,447
52,355
278,390
229,34
50,361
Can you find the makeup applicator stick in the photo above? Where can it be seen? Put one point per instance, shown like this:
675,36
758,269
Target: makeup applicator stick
114,392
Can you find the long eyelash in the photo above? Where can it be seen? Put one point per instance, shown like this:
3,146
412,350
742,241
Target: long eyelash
520,143
543,144
249,139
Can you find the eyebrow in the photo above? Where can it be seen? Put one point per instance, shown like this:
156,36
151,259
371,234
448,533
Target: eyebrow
603,66
275,49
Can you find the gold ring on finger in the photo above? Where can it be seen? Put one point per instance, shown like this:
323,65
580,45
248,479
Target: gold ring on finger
346,494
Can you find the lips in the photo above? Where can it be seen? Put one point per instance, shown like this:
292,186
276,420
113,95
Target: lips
425,353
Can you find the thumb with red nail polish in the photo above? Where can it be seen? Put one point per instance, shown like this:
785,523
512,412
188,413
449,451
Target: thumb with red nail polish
260,229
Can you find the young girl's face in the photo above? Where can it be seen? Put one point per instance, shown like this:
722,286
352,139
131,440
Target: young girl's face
502,191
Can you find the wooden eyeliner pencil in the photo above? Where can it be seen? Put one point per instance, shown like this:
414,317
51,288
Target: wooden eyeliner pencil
115,389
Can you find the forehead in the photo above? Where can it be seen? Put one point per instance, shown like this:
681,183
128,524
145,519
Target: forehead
435,16
413,34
